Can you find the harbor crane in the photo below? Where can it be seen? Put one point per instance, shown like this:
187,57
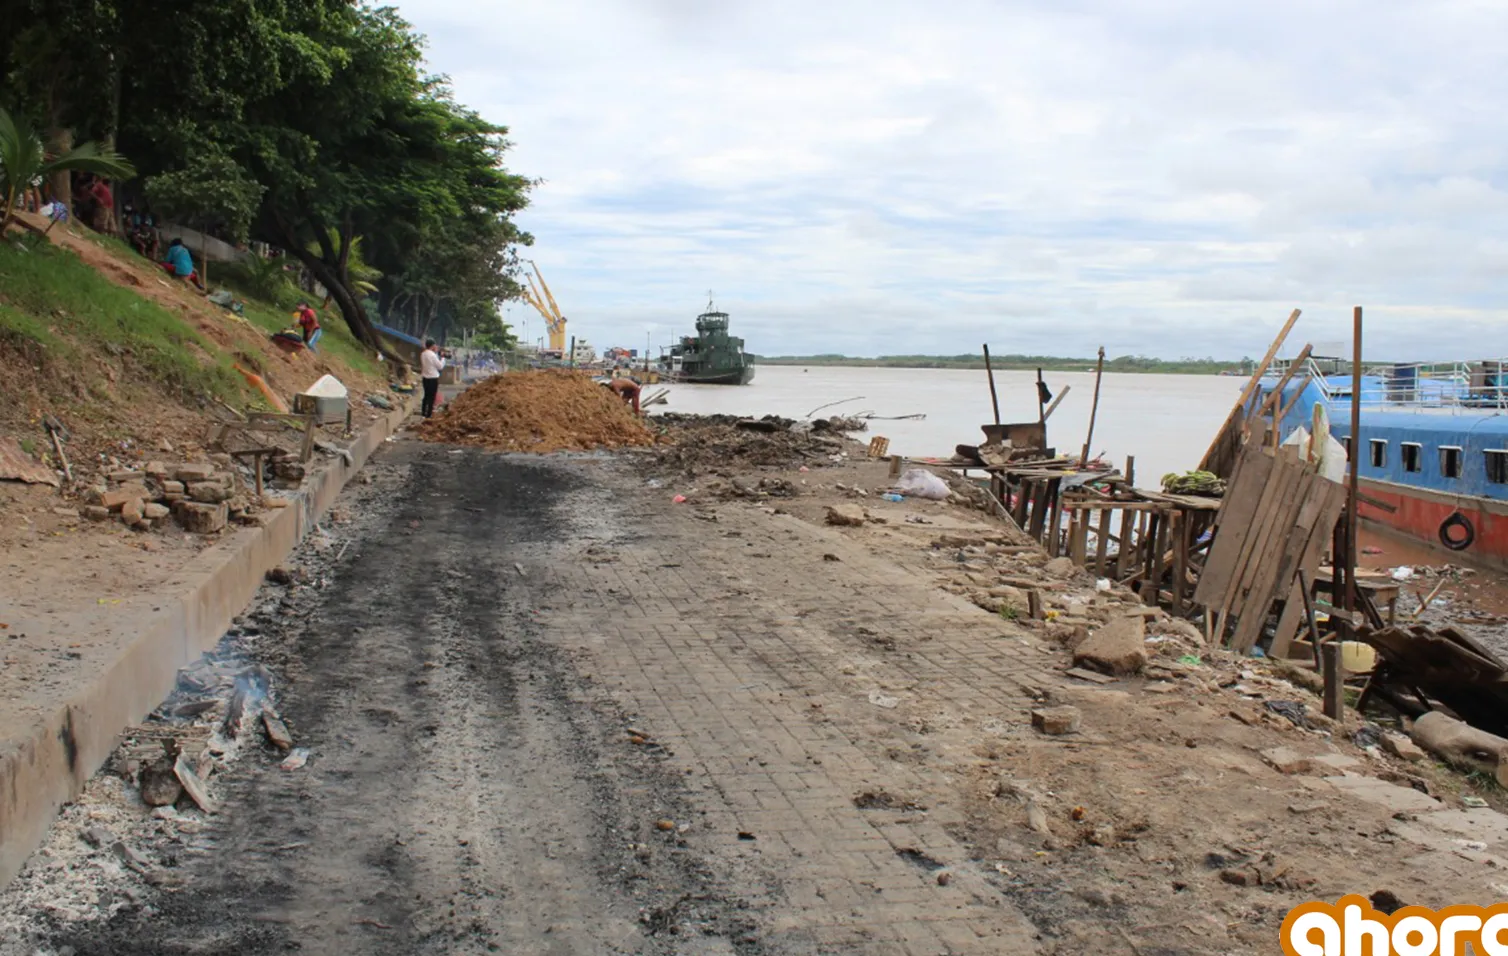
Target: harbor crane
538,295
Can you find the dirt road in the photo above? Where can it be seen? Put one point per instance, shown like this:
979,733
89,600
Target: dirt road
459,799
550,711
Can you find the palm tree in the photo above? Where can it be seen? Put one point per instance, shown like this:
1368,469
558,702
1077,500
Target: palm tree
362,278
23,160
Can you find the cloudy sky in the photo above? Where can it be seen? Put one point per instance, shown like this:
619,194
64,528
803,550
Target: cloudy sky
1166,177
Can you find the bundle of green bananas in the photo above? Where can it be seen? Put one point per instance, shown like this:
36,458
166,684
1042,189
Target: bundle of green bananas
1193,483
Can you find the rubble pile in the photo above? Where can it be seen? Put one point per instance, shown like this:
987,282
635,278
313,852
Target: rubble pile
538,411
698,444
202,497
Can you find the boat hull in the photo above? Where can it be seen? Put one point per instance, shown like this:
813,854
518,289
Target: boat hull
1419,514
730,376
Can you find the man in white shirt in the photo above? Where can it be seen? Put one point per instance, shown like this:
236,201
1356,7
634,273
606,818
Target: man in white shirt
431,363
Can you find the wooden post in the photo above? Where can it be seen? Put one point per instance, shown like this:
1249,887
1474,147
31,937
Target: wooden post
1041,405
1094,408
1034,604
1102,541
895,466
1131,470
1335,683
994,399
1355,461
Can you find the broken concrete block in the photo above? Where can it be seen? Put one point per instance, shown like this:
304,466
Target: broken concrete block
845,515
1334,763
154,511
1061,567
1400,746
131,511
173,488
1056,720
209,492
115,498
1117,648
1286,760
193,472
202,518
96,512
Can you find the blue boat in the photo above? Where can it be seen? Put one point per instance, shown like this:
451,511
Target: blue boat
1434,447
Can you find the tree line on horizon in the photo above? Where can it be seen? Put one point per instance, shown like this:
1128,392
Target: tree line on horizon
311,125
1124,363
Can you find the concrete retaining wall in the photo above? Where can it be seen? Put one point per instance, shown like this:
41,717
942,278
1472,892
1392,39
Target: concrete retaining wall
45,766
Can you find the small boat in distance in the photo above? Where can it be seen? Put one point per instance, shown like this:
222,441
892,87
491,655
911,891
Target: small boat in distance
711,357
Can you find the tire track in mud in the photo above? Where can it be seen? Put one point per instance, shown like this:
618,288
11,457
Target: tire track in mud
463,796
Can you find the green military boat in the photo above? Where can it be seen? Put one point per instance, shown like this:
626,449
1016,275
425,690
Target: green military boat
711,357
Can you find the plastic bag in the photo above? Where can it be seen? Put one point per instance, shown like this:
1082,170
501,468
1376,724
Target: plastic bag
920,483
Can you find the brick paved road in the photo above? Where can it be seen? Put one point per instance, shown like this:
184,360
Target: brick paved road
765,665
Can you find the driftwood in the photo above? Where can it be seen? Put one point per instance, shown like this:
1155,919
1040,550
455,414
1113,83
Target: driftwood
1463,745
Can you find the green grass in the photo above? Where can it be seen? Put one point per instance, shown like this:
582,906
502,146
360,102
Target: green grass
48,295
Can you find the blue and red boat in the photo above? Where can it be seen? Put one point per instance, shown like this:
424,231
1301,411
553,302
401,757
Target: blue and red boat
1434,448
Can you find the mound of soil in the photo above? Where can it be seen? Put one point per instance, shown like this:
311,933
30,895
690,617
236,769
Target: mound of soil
538,411
697,444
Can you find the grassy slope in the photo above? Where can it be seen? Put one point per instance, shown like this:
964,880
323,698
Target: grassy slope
107,347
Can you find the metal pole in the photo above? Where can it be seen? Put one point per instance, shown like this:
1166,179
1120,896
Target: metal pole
1356,447
573,351
994,400
1099,370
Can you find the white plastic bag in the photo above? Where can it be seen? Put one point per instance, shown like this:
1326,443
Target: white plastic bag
920,483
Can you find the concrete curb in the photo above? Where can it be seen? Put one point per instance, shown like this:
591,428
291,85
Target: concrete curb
46,765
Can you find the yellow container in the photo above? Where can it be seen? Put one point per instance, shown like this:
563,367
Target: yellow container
1357,658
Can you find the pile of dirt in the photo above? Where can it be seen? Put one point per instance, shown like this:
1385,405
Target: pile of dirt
698,444
538,411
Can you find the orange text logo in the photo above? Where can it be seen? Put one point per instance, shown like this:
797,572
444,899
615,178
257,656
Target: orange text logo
1353,928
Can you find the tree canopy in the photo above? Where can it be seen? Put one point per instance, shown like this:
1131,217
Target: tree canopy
309,124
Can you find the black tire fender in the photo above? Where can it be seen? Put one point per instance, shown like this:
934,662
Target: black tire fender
1467,536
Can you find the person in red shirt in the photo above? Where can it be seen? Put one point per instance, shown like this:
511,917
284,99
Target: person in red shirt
104,207
309,322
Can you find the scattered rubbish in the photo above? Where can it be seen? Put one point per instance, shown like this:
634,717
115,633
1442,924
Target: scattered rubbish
1102,585
892,496
192,784
520,569
665,826
679,499
1385,902
1190,659
745,835
831,557
1295,712
882,700
277,731
920,483
1403,573
1475,803
295,759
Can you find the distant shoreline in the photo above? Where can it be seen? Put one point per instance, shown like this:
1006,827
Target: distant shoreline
1126,363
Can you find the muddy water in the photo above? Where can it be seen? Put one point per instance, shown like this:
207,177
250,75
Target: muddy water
1166,421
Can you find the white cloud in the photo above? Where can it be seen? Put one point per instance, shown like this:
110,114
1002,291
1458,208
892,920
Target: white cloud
1160,176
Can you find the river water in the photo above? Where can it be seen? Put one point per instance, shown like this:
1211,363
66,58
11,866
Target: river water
1166,421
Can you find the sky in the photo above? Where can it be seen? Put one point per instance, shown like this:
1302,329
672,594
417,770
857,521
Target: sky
1160,177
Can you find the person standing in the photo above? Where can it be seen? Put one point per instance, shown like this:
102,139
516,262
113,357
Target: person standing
431,364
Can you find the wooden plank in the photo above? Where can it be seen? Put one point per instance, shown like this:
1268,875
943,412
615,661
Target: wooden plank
1274,396
1055,517
1237,413
1158,565
1038,508
1102,543
1272,504
1274,525
1127,544
1080,538
1181,563
1233,525
1288,622
1292,521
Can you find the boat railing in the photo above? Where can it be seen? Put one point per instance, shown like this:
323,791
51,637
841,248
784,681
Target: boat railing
1473,386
